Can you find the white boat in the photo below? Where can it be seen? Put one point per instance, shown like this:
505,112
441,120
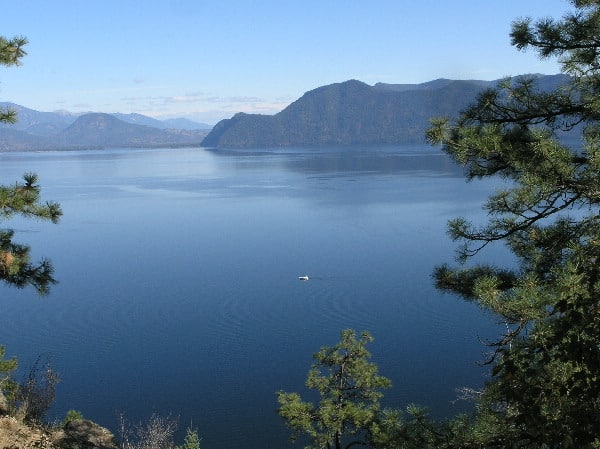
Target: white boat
303,278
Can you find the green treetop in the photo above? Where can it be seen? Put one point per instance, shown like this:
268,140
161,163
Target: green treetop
349,389
545,384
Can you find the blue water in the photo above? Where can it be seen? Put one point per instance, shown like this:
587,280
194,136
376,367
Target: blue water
179,288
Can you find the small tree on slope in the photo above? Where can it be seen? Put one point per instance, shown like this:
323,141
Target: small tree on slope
349,391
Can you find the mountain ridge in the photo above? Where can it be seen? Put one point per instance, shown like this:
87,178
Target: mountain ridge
35,130
345,113
27,117
353,112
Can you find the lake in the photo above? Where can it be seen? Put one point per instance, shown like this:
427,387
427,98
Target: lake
178,280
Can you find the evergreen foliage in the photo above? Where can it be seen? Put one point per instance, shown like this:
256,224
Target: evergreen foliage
33,397
23,199
191,440
545,386
11,52
72,415
349,390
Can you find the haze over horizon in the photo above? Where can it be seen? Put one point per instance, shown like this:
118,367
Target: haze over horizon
207,61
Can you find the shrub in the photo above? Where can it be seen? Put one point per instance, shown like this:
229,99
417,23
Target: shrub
72,415
157,433
35,394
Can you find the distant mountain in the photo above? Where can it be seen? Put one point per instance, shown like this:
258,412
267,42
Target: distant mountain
15,140
353,112
35,122
170,123
184,123
346,113
102,130
36,130
139,119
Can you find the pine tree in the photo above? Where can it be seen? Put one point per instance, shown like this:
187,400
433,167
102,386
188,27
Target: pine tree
22,199
545,384
349,390
191,440
11,53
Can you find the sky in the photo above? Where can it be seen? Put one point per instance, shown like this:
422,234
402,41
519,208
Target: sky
207,60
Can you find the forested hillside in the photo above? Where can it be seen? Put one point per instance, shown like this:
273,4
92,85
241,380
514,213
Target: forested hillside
353,112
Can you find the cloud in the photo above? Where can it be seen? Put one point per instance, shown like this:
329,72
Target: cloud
201,97
202,101
194,104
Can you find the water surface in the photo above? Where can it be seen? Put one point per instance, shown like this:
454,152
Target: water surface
179,288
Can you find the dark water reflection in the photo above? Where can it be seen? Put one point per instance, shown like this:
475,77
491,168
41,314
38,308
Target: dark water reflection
178,280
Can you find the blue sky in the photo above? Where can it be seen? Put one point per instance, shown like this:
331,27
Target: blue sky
208,60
